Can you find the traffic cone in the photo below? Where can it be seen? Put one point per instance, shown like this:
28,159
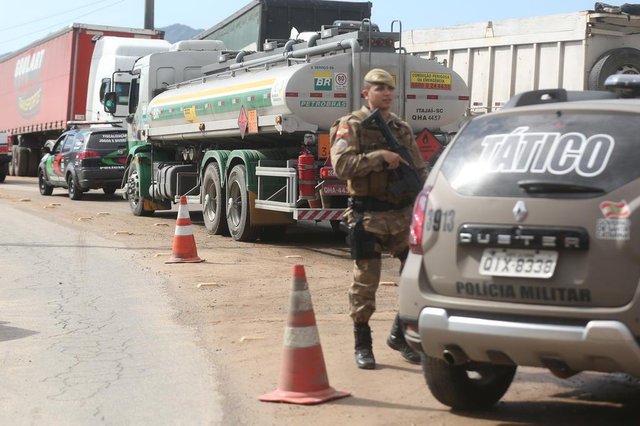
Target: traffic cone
184,244
303,376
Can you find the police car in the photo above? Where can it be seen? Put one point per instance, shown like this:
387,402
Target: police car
525,245
84,158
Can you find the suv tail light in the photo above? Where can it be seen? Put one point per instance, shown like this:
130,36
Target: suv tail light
88,154
416,235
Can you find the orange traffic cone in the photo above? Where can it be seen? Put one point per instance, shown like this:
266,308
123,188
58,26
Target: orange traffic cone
184,244
303,376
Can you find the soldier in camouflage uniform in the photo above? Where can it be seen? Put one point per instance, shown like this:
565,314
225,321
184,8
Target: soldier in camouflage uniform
363,158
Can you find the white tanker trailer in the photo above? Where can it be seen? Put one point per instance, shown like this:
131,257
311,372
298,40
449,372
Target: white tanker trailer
246,133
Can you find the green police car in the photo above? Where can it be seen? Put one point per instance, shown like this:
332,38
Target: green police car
82,159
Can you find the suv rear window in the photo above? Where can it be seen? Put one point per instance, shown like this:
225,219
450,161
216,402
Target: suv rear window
494,154
107,140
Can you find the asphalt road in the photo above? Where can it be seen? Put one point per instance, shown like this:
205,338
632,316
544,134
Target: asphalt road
96,329
86,337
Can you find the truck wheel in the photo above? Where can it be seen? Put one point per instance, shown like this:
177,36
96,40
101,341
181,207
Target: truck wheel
238,217
75,193
136,202
45,188
12,164
617,61
34,161
467,387
22,161
213,205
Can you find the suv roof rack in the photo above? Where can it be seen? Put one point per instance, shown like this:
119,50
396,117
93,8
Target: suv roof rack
78,124
624,85
546,96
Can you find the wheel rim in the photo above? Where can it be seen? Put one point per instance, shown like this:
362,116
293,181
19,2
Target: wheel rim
133,188
72,188
41,182
235,204
210,203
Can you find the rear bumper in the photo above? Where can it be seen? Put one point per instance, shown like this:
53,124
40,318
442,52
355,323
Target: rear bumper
89,179
606,346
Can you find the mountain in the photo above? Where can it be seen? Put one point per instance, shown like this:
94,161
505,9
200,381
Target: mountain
177,32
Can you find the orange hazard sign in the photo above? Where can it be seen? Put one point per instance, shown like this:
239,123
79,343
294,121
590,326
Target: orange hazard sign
429,146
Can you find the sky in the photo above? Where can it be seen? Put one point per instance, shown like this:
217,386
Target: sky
25,21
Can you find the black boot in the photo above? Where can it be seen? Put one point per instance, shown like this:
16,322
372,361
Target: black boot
364,352
397,342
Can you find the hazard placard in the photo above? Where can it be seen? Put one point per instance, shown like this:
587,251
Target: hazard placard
429,146
242,121
252,117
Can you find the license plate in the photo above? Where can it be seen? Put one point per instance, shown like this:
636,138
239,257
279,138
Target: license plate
334,189
518,263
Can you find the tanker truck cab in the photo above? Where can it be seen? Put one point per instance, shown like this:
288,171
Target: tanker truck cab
246,134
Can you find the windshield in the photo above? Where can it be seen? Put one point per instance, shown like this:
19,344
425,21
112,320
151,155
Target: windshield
107,140
500,155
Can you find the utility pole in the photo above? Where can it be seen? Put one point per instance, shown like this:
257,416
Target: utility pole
148,14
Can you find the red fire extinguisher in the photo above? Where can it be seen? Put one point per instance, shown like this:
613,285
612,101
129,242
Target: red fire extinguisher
307,179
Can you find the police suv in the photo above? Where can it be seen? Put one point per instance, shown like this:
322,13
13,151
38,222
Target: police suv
525,245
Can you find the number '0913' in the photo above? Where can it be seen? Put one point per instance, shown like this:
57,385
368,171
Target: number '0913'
440,220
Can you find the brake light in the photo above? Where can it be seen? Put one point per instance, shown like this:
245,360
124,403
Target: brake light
416,235
88,154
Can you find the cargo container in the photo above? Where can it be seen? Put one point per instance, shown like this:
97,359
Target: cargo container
574,51
44,85
264,20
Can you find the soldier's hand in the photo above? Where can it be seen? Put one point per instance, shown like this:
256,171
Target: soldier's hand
393,160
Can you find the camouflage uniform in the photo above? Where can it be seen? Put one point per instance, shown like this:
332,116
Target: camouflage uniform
356,158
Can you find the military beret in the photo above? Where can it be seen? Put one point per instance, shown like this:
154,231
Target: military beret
380,76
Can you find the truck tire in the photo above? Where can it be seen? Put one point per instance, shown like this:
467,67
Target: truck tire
238,216
213,205
34,161
467,387
75,193
22,161
4,170
136,202
43,186
12,164
617,61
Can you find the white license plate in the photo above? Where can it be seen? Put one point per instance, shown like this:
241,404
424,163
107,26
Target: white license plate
518,263
334,189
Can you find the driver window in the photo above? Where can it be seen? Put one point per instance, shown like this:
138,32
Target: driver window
68,143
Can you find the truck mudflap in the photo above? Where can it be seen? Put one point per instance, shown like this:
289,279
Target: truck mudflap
318,214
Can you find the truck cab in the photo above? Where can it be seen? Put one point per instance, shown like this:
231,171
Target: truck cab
113,58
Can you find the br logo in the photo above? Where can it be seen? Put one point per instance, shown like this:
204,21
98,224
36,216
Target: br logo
323,81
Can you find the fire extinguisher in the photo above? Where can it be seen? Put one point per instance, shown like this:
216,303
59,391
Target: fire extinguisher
307,179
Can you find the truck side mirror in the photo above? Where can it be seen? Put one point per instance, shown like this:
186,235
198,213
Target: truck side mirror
110,102
46,149
129,118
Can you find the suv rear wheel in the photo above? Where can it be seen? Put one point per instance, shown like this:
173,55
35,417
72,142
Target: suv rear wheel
75,193
45,188
467,387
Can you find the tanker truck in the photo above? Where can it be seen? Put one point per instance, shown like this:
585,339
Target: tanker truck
247,138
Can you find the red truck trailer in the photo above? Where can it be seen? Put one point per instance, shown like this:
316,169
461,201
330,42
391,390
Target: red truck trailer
44,85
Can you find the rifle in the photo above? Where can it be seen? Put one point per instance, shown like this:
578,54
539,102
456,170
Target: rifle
407,179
